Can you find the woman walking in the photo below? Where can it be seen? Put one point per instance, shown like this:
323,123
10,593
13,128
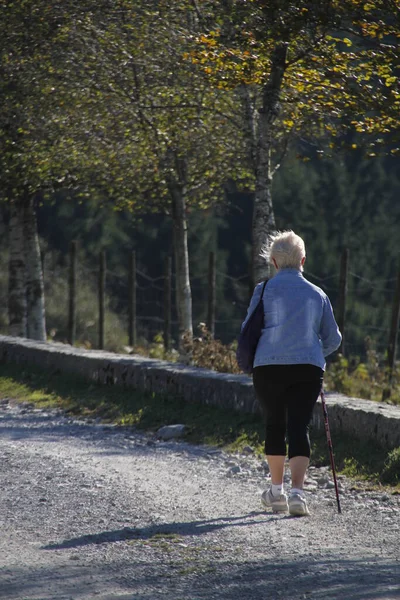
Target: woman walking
299,332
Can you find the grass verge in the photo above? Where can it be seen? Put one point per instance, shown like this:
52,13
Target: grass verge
205,424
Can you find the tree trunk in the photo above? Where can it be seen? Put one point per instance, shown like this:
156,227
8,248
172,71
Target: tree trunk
263,212
250,123
183,291
16,267
36,322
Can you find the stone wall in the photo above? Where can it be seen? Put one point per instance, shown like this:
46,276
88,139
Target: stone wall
360,418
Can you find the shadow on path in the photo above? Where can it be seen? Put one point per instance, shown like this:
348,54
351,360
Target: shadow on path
191,528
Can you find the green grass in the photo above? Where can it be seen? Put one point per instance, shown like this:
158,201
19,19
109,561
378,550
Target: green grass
127,407
362,460
206,425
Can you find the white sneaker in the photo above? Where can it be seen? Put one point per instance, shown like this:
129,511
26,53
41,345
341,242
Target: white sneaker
298,505
277,503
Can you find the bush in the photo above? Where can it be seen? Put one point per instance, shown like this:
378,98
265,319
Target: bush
337,377
209,353
154,349
363,380
391,468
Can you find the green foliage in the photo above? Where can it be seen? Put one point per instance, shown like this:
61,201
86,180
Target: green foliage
155,349
339,70
391,468
98,98
34,142
363,380
157,124
362,460
351,467
337,377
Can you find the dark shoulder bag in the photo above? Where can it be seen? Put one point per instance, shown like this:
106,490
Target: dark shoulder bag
250,335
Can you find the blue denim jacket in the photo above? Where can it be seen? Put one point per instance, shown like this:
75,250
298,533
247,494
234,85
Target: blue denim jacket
299,325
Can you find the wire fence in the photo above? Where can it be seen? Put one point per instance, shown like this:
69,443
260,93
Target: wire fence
135,302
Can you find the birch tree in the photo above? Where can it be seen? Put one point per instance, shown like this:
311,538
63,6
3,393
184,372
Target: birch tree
24,169
302,68
38,142
168,135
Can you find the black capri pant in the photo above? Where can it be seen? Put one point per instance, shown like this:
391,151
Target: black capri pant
287,394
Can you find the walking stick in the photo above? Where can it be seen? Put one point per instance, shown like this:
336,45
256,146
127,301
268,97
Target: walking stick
328,438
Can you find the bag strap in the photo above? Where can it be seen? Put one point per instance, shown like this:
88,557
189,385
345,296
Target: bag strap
260,300
262,293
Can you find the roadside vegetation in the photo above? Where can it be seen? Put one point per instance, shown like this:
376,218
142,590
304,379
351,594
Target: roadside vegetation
354,377
369,466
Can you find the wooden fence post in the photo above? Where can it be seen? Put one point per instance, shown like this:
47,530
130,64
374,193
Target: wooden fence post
102,297
392,345
132,300
211,294
167,302
343,282
72,293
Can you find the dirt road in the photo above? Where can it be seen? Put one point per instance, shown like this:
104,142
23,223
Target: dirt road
94,512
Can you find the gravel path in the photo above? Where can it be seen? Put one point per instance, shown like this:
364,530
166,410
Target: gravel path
89,511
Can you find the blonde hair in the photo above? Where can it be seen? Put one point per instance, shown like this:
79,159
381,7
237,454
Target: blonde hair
287,248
